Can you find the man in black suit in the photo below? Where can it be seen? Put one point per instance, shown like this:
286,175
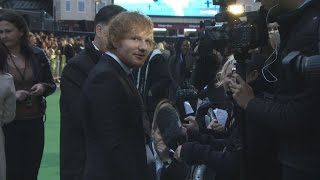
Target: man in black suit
113,108
72,140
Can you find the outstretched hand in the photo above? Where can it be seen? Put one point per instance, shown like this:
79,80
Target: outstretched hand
192,123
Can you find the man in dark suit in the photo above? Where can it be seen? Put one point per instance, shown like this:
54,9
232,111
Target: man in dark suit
113,108
72,140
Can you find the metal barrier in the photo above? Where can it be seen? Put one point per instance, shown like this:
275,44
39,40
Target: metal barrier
201,172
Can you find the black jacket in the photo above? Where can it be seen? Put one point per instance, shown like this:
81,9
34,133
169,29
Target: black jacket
291,113
158,80
68,52
156,85
180,69
72,150
42,71
221,155
114,112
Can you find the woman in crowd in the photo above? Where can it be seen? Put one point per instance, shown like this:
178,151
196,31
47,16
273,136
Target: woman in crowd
7,103
33,81
180,67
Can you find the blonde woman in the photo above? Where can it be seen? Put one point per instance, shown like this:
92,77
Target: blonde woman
7,104
225,75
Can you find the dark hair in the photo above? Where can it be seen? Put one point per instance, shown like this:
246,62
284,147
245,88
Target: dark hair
4,53
178,44
19,22
106,13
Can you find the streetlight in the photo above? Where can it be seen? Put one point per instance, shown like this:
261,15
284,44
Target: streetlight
96,2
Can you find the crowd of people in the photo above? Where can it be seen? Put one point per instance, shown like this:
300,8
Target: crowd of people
132,108
58,49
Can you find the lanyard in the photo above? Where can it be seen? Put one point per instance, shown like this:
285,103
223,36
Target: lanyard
22,74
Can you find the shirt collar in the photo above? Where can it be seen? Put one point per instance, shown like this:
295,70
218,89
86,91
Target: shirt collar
158,161
95,46
124,67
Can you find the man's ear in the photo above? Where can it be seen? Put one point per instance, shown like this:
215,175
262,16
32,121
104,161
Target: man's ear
114,42
252,76
98,29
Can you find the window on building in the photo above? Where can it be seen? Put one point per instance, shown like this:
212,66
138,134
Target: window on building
81,6
68,5
100,5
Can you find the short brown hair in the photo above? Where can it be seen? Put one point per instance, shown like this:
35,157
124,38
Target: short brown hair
127,23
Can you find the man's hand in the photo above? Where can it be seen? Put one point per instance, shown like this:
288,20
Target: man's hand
215,126
37,90
22,95
241,91
192,123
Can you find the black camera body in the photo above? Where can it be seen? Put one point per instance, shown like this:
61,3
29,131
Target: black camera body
234,36
234,33
186,94
301,69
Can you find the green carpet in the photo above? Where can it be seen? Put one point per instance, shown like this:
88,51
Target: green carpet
50,162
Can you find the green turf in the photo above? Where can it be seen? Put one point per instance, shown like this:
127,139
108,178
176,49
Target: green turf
50,162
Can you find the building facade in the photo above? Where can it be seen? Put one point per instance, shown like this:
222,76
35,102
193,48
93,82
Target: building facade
78,15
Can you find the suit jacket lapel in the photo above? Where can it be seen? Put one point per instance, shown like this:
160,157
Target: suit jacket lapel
135,97
125,76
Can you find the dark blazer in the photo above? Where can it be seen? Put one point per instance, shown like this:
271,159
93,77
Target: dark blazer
72,141
113,124
157,82
68,52
41,71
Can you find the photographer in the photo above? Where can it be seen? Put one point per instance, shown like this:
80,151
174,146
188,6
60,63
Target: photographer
289,111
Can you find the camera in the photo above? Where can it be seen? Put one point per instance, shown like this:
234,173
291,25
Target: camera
236,32
300,68
231,34
186,94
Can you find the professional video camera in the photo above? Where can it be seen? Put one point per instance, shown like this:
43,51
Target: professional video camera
234,31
